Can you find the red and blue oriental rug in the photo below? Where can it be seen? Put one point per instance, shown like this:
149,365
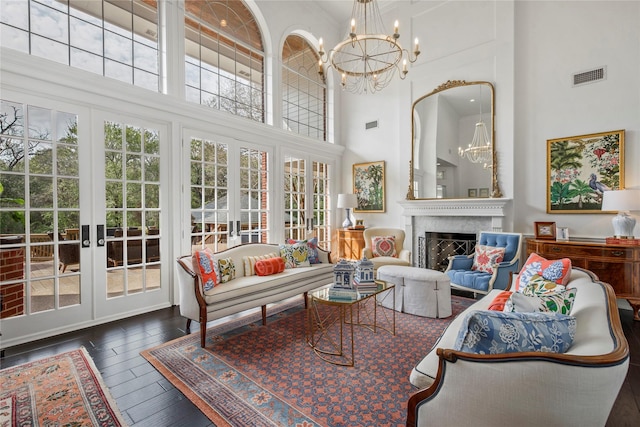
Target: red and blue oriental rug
62,390
254,375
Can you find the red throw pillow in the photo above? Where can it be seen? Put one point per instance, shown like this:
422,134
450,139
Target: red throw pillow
267,267
499,301
554,270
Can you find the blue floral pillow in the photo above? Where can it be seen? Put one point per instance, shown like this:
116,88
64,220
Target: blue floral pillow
496,332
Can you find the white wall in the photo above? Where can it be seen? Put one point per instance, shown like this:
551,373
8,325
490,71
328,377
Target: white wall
529,50
554,41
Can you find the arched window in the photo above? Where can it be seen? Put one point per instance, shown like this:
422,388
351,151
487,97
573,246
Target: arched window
304,91
224,57
113,39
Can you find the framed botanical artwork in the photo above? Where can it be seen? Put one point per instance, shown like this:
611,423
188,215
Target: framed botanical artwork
483,192
580,168
545,230
472,192
368,185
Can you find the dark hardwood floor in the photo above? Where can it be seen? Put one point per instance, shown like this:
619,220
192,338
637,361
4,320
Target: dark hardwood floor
146,398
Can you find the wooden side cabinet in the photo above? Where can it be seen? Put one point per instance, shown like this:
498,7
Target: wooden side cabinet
618,265
350,244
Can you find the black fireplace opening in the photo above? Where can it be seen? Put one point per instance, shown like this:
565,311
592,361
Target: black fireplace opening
435,248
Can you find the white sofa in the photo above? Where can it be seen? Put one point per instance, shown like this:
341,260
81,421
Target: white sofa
245,292
576,388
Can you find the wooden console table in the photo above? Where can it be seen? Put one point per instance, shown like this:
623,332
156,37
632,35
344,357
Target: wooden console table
350,243
618,265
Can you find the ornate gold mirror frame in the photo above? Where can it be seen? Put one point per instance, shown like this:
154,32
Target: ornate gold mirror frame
449,85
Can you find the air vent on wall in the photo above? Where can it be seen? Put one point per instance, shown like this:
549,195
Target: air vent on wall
371,125
591,76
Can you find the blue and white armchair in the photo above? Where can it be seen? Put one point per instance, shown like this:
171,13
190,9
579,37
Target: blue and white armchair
464,277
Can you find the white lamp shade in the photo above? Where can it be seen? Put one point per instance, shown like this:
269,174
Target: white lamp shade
621,200
347,201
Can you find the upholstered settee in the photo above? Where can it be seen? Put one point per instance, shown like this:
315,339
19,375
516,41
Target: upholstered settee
574,388
245,291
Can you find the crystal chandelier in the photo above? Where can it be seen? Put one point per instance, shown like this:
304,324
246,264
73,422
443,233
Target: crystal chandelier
479,151
367,58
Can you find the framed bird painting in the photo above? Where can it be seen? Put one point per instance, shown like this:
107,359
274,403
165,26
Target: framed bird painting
580,168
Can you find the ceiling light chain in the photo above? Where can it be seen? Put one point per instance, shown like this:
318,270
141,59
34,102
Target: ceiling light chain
367,61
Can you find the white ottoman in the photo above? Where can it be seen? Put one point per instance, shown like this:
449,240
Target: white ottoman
419,291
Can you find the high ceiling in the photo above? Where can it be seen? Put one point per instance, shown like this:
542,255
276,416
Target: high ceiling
340,10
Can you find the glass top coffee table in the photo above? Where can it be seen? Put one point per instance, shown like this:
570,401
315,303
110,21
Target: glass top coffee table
331,320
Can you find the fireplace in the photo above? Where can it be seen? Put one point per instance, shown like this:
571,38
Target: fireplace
435,248
452,218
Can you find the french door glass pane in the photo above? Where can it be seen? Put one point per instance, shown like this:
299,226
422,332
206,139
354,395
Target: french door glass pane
132,201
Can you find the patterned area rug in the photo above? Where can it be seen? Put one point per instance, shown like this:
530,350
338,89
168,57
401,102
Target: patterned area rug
253,375
63,390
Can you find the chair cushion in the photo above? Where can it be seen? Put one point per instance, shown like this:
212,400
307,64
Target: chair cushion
312,245
486,257
473,279
495,332
555,303
553,270
383,246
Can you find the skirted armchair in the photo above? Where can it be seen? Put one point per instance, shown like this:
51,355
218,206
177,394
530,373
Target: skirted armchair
382,250
496,255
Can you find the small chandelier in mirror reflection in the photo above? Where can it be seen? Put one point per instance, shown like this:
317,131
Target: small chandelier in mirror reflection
368,58
479,150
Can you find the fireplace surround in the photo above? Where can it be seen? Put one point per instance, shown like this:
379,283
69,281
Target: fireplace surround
468,216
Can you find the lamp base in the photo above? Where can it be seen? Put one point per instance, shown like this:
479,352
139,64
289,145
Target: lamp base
623,225
347,222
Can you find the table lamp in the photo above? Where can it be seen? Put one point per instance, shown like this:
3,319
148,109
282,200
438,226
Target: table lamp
622,201
347,201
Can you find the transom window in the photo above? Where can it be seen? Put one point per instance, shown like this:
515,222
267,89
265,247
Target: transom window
224,57
304,91
113,38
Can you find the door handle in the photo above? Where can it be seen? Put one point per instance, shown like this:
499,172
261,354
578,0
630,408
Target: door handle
230,228
86,242
238,228
100,235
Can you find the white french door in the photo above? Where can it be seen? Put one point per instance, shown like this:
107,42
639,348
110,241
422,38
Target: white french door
45,266
131,216
307,199
228,191
83,220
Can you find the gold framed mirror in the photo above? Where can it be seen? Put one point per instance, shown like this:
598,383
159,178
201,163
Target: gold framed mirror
453,153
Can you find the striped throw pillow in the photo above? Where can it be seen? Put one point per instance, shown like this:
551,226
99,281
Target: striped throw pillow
250,262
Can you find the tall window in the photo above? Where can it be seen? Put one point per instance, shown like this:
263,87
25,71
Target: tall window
117,39
224,57
304,90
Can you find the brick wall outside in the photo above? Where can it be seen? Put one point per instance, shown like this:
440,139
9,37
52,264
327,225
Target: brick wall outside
12,268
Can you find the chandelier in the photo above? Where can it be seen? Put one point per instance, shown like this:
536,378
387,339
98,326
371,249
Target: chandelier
479,151
367,58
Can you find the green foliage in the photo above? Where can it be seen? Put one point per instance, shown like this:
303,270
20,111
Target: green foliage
559,193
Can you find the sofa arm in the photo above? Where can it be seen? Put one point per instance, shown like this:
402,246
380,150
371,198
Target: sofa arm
366,252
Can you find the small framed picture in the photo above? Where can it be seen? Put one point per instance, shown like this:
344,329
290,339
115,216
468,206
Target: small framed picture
545,230
562,233
472,192
483,192
440,174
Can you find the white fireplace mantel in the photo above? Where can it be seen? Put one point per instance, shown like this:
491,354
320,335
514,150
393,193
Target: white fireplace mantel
455,207
453,215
